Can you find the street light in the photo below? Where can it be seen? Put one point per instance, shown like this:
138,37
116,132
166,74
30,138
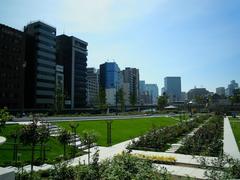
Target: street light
189,108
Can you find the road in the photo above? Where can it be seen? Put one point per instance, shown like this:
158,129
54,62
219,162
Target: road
87,118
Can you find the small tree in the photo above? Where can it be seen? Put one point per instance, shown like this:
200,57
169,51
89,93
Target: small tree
88,138
223,167
102,98
14,135
44,135
121,99
4,117
64,138
59,100
162,102
30,136
74,127
133,98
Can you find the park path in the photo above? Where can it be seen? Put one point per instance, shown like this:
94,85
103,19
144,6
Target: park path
109,152
229,143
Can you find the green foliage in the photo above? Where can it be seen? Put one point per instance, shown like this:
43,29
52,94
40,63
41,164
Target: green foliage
30,136
59,100
4,117
64,138
102,98
122,167
162,102
88,138
158,139
235,124
133,98
44,136
207,140
128,167
236,96
122,130
223,167
120,98
62,171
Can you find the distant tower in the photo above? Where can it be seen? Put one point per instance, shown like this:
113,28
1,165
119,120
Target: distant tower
172,87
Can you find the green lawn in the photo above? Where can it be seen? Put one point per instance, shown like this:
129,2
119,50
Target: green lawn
235,123
122,130
6,150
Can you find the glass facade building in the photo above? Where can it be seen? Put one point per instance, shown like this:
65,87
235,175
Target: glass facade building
172,88
110,75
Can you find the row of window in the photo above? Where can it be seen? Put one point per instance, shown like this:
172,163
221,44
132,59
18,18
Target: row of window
46,28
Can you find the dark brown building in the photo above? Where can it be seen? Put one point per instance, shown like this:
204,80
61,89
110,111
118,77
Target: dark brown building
12,50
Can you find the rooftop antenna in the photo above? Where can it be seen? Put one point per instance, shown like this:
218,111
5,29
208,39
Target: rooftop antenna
63,30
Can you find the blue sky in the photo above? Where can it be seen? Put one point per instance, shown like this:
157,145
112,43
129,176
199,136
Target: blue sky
198,40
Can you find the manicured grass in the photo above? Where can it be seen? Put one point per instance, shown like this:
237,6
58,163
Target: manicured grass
122,130
235,123
54,148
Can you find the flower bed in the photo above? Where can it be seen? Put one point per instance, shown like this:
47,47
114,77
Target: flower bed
207,140
159,139
157,159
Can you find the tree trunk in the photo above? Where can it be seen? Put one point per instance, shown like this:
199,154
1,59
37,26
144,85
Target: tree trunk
88,153
64,151
41,151
33,148
44,152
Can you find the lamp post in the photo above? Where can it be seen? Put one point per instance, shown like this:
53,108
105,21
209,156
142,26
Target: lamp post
189,108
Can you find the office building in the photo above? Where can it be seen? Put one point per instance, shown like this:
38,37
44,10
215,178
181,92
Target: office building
197,92
60,78
92,86
231,87
110,81
12,63
131,76
72,55
152,91
40,66
220,91
184,96
172,87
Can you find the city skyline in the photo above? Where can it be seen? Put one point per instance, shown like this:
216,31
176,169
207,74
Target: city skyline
198,41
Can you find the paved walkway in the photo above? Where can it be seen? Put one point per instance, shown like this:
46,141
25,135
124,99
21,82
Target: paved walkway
176,146
109,152
229,143
183,171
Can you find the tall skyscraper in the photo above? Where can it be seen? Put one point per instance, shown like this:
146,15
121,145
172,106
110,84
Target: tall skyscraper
92,86
72,55
131,76
41,65
172,87
12,50
110,81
